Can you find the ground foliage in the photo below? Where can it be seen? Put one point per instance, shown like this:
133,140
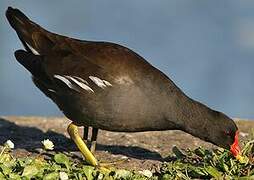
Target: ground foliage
199,163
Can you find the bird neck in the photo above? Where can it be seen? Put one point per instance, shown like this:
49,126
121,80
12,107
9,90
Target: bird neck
193,117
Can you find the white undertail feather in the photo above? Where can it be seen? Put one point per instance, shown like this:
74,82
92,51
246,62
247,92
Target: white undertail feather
100,82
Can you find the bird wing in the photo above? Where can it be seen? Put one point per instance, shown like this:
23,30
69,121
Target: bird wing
65,72
110,56
66,56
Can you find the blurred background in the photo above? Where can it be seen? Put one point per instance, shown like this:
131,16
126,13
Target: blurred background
205,47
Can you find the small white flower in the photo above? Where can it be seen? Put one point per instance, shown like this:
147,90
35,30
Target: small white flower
9,144
100,176
146,173
63,176
243,134
47,144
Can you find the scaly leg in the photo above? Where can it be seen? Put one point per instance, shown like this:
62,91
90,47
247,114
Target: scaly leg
73,132
93,139
85,133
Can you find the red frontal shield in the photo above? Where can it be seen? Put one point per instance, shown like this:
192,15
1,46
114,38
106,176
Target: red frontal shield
234,148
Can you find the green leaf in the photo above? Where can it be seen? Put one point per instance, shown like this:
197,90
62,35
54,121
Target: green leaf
30,171
2,176
5,169
14,176
79,176
181,175
225,167
248,147
197,171
122,174
166,177
178,153
88,170
62,159
4,158
245,178
213,172
51,176
200,152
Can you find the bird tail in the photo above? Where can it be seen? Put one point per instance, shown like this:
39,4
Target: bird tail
31,62
34,38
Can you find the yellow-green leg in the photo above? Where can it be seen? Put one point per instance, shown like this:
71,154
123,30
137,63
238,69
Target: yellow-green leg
73,132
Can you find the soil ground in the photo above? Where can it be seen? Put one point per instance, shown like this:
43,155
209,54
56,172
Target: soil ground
145,150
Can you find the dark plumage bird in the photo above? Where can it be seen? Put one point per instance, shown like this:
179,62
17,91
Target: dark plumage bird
108,86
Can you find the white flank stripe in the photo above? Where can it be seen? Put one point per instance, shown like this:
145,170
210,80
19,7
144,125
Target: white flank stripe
80,79
107,83
51,90
32,49
99,82
82,85
66,81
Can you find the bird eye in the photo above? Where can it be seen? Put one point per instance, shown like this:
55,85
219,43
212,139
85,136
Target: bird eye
227,132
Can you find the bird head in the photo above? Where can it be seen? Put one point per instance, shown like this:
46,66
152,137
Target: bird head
226,134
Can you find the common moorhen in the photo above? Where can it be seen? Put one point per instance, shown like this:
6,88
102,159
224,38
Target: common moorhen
108,86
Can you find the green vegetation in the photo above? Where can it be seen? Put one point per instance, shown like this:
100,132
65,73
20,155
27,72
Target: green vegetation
185,164
206,164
